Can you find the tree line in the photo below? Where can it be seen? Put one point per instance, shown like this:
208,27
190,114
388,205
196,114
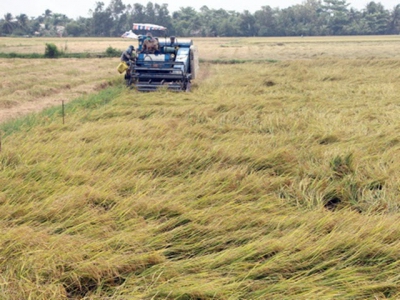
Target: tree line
311,18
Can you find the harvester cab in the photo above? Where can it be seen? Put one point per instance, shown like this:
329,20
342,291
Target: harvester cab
162,61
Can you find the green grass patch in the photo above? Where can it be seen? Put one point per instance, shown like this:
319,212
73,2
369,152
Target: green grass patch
61,55
107,53
21,55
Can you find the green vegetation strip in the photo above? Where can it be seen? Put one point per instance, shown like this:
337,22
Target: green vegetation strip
51,51
63,55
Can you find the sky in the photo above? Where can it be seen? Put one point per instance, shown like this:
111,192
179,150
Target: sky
80,8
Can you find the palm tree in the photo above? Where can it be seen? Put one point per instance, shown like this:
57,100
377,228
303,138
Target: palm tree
47,13
8,25
395,20
22,20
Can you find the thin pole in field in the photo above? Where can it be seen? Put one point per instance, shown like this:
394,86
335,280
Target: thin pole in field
63,111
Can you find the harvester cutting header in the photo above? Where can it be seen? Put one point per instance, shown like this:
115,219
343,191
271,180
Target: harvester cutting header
161,61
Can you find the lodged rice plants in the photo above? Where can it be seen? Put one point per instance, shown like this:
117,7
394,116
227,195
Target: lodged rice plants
272,180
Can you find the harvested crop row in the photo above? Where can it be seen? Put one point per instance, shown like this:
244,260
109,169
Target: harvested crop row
32,85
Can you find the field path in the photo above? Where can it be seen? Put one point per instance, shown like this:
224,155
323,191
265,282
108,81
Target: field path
21,109
29,86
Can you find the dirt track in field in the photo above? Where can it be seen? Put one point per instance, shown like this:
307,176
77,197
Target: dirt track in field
25,108
29,86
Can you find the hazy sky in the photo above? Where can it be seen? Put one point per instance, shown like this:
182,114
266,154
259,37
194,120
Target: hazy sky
76,8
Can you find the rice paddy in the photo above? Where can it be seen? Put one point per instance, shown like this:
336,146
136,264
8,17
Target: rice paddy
275,178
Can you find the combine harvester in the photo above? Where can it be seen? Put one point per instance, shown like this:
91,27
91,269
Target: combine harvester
171,64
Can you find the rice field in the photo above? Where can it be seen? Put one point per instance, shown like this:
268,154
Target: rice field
30,85
275,178
274,48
